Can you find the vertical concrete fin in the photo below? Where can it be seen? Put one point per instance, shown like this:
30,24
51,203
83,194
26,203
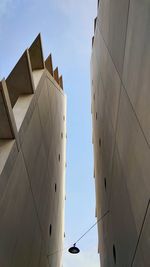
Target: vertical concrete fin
61,82
56,75
36,54
20,80
49,64
7,122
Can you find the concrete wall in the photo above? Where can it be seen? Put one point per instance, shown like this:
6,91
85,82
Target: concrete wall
120,80
32,165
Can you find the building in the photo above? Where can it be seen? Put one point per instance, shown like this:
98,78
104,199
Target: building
32,162
120,66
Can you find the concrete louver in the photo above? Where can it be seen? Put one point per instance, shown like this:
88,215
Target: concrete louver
7,121
61,81
20,80
36,54
49,64
56,75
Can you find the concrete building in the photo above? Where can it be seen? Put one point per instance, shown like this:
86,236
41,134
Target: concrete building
120,74
32,163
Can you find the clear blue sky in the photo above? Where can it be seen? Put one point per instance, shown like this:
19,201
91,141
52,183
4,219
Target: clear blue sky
67,28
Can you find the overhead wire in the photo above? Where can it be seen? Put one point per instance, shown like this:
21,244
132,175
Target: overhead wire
92,227
60,250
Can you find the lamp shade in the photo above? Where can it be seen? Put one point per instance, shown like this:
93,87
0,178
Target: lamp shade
74,249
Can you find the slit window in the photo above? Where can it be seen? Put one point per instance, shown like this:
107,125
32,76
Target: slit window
105,183
94,96
55,188
96,115
100,142
114,253
50,229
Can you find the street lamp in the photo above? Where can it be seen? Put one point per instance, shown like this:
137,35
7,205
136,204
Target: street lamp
74,249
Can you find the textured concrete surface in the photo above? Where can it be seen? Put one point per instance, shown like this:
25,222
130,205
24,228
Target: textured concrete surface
32,174
120,114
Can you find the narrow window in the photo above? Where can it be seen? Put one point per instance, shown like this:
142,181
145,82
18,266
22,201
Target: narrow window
105,183
99,142
59,157
55,188
114,253
61,135
50,229
94,96
96,115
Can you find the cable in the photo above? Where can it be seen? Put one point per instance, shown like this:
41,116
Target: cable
92,227
53,253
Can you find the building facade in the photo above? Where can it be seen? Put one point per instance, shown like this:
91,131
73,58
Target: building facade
120,66
32,163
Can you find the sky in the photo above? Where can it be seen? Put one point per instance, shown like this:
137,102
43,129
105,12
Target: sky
66,27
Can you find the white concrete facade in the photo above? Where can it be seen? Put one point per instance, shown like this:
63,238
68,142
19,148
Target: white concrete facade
32,164
121,131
